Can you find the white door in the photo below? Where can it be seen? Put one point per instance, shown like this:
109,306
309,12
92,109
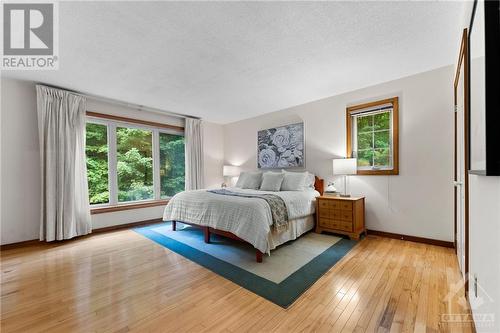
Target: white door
460,172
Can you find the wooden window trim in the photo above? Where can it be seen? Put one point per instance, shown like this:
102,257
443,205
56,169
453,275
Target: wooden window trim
134,121
127,206
395,134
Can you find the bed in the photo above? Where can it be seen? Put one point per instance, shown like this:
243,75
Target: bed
245,219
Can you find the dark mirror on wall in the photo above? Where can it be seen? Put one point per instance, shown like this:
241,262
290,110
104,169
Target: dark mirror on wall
484,91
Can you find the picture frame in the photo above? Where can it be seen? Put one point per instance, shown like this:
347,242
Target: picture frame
281,147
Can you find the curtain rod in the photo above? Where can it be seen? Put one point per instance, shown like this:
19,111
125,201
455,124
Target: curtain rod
126,104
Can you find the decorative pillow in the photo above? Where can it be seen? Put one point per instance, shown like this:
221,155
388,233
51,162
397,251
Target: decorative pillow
241,180
253,181
294,181
310,180
271,181
249,180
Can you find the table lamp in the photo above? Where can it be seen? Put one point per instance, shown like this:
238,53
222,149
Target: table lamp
229,171
344,167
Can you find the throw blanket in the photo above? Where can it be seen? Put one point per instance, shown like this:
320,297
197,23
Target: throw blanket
279,211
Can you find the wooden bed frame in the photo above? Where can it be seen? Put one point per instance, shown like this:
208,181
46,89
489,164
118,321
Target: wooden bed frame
319,185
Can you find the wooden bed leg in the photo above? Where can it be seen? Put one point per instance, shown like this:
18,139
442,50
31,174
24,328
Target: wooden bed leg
206,232
258,256
174,225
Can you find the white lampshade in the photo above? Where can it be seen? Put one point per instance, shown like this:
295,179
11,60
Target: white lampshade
230,171
344,166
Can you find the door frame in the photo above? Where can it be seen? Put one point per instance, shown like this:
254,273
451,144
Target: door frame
463,60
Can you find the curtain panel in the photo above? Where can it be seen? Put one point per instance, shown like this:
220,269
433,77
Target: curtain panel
65,209
194,154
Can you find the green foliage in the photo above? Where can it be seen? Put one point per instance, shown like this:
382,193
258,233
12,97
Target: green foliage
365,124
134,148
365,141
381,121
97,163
381,139
171,164
374,140
381,157
134,164
365,158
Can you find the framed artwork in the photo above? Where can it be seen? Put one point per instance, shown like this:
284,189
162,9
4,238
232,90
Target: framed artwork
281,147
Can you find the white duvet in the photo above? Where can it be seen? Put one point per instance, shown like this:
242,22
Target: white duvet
248,218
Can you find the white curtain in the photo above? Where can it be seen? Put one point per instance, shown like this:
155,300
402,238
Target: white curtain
65,209
194,154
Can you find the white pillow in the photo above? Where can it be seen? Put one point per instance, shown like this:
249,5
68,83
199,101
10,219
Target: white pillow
310,180
271,181
249,180
294,181
241,180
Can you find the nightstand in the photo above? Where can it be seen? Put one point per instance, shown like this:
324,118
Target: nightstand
340,215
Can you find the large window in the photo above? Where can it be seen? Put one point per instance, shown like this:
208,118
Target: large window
128,162
372,136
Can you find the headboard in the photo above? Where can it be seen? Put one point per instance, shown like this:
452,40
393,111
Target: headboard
319,185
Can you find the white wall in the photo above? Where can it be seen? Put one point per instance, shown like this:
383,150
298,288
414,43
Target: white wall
20,175
484,234
484,245
417,202
20,163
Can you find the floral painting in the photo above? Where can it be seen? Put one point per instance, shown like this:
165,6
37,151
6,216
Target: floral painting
281,147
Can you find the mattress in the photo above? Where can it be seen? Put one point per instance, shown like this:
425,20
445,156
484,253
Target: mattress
248,218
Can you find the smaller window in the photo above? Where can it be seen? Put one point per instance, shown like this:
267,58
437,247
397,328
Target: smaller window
96,149
372,137
171,164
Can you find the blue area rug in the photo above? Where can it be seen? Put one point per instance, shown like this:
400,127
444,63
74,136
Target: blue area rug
189,242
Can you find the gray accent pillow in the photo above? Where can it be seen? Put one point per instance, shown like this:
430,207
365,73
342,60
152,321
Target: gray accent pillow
249,180
254,180
271,181
310,180
294,181
241,180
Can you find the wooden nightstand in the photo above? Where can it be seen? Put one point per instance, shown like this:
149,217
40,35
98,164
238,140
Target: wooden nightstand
339,215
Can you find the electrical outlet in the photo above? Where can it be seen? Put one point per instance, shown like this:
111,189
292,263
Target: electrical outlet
475,285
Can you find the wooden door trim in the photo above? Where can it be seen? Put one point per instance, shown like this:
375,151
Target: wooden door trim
463,60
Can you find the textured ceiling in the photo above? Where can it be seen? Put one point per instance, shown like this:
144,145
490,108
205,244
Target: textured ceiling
226,61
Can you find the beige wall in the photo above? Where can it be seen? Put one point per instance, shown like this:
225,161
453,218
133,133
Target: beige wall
419,201
20,160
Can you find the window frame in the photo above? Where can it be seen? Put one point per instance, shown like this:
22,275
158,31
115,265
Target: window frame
372,107
112,123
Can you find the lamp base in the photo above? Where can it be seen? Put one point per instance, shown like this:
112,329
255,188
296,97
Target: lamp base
345,195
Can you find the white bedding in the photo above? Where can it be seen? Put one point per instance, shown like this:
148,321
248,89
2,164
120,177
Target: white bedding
248,218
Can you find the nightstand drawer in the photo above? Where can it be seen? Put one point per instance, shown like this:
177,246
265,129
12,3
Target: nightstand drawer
323,204
346,215
345,226
326,213
328,223
328,204
345,205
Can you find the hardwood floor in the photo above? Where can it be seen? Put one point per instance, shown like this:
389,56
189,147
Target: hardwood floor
121,282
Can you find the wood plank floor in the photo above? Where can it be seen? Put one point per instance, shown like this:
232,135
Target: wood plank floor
123,282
